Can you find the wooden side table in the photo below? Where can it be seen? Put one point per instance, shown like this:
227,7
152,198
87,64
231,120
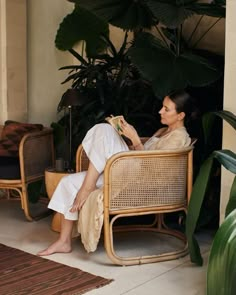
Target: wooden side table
52,179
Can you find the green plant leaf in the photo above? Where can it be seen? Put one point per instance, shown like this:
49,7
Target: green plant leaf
170,13
126,14
208,120
80,25
210,9
232,199
221,270
197,196
228,117
156,62
227,158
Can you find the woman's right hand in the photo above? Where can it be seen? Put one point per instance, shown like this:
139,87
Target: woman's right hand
78,202
130,132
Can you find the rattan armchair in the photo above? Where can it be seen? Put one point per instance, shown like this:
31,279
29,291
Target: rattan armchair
138,183
36,153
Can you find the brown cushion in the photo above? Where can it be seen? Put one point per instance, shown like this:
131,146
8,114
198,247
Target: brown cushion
8,149
12,134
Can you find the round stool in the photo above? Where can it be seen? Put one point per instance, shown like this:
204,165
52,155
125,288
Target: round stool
52,179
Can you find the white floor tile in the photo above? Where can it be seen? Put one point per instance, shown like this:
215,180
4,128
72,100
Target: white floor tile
179,277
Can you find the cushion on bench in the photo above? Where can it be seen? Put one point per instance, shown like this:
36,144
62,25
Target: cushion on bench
12,134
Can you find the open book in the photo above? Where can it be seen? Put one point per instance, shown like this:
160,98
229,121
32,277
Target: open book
115,122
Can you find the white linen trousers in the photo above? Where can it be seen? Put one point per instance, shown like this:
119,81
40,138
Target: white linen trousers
100,143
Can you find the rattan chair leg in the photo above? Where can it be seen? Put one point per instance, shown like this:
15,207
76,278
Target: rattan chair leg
109,230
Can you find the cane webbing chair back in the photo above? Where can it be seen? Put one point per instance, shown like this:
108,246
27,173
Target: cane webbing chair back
36,153
138,183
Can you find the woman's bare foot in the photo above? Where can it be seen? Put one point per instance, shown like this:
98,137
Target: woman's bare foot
57,247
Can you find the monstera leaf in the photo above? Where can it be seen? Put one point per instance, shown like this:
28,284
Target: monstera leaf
167,70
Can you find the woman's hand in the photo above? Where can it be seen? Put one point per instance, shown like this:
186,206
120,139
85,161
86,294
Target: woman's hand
78,202
130,132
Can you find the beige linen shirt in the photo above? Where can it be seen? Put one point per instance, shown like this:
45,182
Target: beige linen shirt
178,138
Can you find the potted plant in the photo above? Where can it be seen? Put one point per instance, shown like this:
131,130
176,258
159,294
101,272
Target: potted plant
160,46
227,158
133,79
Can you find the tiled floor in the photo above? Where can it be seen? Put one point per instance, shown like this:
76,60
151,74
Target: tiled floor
179,277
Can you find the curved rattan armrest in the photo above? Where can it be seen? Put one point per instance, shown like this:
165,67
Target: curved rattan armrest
135,178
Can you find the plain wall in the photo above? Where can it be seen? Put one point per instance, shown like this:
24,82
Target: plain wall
229,135
44,59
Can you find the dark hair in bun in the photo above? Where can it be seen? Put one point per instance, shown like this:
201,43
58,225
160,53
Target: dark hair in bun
185,103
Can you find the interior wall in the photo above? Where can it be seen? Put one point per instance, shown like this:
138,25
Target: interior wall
13,60
3,83
44,60
229,136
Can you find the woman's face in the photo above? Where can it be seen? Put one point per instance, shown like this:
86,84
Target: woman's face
168,113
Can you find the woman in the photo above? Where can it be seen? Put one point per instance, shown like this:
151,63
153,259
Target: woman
100,143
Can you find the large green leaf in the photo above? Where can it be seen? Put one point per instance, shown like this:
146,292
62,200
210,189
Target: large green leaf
126,14
170,13
80,25
167,71
232,199
132,15
228,117
227,158
221,271
208,120
210,9
197,196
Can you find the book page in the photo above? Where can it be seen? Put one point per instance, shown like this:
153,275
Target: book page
115,122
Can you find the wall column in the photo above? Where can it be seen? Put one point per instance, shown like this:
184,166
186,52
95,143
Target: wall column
13,60
229,135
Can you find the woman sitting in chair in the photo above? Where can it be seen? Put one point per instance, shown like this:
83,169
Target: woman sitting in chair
100,143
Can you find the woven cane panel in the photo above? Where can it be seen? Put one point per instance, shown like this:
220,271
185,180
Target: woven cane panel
37,155
147,182
84,161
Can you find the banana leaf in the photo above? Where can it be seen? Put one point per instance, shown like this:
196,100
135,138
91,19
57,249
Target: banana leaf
232,199
228,117
195,204
221,270
228,159
208,120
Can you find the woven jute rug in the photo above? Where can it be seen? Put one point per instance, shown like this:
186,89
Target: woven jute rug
22,273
